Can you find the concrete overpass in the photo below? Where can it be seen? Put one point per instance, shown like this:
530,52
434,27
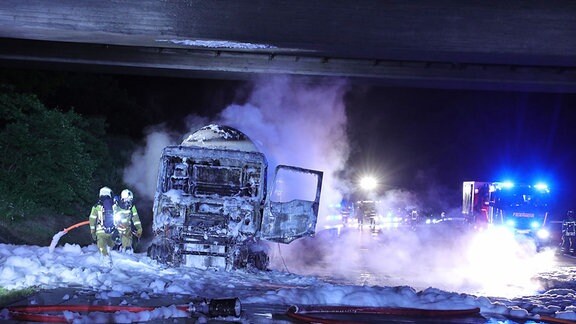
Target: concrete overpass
503,45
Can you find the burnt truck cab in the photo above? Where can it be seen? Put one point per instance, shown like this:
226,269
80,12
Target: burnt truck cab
211,208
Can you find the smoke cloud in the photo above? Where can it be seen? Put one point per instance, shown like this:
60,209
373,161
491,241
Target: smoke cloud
304,124
490,263
141,174
300,124
297,123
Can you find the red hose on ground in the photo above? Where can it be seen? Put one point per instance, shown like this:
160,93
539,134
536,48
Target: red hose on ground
32,313
304,313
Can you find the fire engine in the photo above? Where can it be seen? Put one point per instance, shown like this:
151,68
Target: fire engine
212,206
520,207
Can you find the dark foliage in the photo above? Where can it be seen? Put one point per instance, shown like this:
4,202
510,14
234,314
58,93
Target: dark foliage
50,161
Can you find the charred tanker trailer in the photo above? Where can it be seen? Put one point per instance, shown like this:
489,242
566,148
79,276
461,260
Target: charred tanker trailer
211,208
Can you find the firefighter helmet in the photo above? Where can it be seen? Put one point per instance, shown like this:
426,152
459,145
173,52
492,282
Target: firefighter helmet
105,192
126,195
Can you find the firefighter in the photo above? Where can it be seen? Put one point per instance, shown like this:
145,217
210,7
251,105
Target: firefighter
568,244
127,220
360,214
102,226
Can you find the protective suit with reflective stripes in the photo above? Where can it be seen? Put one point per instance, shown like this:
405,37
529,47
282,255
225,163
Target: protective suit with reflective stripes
102,225
126,215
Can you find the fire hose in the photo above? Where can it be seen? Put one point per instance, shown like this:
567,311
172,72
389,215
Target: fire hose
58,235
312,314
41,313
69,228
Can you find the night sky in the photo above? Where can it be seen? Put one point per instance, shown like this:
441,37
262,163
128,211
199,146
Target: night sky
412,138
424,136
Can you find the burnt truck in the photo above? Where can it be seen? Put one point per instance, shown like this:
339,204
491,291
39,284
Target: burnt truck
212,208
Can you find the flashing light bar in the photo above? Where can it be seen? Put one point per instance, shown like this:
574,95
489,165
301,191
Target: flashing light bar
508,184
541,186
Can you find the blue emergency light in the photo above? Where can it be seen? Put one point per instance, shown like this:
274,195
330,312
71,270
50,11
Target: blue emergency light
507,184
541,186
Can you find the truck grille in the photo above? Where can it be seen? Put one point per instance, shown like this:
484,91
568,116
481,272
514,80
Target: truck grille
225,191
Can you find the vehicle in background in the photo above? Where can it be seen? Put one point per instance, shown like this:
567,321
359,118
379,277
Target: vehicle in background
366,213
338,217
212,208
519,207
374,215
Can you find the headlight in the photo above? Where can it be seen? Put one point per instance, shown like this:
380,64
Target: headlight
535,224
543,234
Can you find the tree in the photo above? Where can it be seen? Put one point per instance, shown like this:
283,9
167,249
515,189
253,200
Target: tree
48,158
